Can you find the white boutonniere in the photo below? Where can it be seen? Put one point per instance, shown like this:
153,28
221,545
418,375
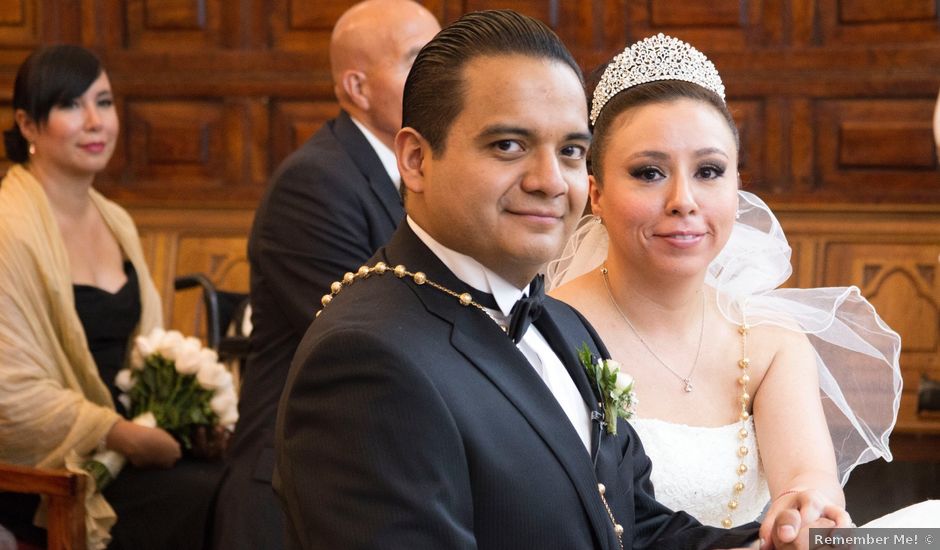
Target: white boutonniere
615,386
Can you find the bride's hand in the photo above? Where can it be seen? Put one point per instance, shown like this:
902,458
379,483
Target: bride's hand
795,512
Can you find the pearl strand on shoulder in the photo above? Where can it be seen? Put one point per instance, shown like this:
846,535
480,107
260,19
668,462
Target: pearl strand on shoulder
401,272
744,415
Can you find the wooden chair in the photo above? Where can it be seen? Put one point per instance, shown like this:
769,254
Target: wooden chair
66,497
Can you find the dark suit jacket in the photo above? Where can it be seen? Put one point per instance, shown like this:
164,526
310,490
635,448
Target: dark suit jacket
330,205
409,421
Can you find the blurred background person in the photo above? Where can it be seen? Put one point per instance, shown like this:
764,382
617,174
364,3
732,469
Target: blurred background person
74,291
330,205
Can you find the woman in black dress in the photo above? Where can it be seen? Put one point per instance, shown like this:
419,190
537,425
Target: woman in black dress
74,291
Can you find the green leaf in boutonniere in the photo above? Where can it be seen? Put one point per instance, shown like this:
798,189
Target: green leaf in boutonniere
615,386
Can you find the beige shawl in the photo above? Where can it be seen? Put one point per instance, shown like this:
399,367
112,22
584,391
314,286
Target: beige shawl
52,400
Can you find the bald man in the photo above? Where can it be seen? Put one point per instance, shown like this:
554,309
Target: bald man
330,205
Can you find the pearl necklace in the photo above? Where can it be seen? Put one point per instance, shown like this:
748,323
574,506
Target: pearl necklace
687,380
465,299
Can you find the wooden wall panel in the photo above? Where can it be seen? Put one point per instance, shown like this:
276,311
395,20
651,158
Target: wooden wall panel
173,25
171,15
18,23
293,122
180,150
302,25
223,259
802,260
865,21
13,13
540,9
877,11
884,145
893,256
592,30
749,115
175,142
900,278
318,16
179,242
719,24
833,97
797,164
898,145
677,13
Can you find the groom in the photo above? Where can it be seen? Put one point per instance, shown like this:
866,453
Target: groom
419,413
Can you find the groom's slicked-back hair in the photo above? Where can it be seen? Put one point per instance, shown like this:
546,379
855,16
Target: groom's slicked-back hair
435,88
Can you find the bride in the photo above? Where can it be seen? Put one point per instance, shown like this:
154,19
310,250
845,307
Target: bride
678,270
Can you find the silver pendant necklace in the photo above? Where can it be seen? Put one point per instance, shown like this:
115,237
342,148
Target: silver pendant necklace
686,380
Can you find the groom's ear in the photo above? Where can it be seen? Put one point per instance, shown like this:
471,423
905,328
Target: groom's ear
595,196
411,150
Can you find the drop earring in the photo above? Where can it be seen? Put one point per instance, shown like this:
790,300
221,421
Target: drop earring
32,149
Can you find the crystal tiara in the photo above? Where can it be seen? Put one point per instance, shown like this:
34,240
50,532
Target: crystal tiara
654,58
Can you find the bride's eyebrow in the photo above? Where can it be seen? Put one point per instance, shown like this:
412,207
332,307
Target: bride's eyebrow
655,155
710,151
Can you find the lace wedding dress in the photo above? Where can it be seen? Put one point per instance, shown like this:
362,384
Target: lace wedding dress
695,467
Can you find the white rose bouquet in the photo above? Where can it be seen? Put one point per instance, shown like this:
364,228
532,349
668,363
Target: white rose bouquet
173,383
615,386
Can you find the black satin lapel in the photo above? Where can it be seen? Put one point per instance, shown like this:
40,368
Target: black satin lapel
566,348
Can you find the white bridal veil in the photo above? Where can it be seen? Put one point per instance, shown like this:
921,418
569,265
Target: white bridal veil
856,352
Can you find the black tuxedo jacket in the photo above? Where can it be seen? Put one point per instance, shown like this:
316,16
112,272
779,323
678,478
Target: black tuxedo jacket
409,421
330,205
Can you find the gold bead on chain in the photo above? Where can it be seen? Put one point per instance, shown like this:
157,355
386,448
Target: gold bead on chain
400,271
618,529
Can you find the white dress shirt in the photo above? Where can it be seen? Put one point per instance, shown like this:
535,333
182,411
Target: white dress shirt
532,345
386,155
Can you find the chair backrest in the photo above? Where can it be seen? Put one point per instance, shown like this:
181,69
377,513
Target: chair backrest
65,493
222,307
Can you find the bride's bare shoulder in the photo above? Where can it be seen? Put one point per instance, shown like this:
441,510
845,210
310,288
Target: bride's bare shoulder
580,293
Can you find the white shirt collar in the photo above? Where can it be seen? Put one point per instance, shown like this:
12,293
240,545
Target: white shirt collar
386,155
471,271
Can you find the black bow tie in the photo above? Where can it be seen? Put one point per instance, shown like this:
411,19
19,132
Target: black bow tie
523,313
527,310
